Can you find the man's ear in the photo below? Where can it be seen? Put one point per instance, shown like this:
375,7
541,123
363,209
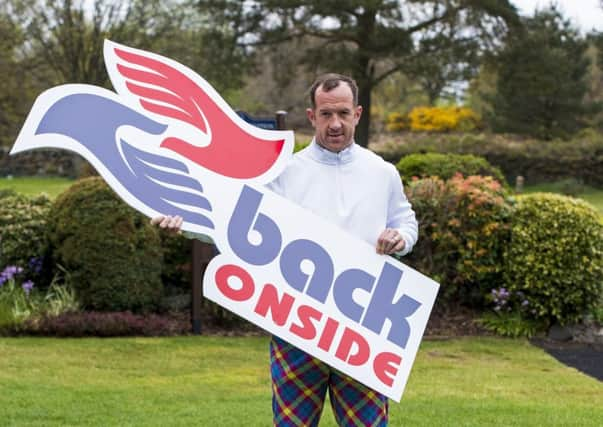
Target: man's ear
357,113
311,116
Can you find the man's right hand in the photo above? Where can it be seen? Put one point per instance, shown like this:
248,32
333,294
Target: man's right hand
168,222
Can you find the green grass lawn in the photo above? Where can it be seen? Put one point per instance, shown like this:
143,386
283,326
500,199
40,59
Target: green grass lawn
213,381
32,186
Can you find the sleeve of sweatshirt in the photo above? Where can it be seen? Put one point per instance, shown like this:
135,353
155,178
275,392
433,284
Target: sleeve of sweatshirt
400,213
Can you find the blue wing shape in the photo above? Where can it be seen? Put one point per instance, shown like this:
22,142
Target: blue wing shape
159,182
164,184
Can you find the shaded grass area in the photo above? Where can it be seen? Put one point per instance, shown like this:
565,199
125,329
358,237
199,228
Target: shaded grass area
225,382
32,186
592,195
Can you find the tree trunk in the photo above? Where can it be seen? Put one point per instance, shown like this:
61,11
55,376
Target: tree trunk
364,99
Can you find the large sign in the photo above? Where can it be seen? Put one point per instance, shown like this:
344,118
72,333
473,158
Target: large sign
168,144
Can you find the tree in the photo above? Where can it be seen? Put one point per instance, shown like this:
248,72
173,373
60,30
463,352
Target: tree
64,40
541,78
369,39
13,96
45,43
594,96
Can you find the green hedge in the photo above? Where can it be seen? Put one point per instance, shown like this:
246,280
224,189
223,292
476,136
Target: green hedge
112,253
537,161
555,257
446,166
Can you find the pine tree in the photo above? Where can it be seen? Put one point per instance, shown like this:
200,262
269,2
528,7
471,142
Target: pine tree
541,80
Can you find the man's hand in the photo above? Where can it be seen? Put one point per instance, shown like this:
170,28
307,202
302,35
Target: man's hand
390,242
168,222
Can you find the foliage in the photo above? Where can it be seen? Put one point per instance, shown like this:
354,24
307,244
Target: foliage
70,42
61,297
463,224
16,303
443,119
13,96
371,40
434,119
537,161
45,43
555,256
541,78
510,317
219,317
510,324
176,271
300,146
102,324
21,300
22,230
176,277
446,166
112,253
397,122
597,312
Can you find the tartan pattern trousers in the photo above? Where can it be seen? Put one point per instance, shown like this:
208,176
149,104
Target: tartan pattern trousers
299,385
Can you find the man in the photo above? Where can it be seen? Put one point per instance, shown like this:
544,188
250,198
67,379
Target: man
360,192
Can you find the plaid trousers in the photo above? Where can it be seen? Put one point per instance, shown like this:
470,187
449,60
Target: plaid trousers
299,385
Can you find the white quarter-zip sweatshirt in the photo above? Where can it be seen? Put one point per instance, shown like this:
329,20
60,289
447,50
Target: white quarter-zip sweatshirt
355,189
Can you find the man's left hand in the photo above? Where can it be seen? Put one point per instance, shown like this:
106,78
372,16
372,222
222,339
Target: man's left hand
389,242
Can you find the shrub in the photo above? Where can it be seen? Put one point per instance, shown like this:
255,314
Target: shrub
510,324
111,252
442,119
176,271
22,230
397,122
434,119
446,166
21,300
555,256
463,224
16,300
537,161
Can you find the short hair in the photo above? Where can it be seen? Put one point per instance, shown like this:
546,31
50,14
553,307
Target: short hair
329,82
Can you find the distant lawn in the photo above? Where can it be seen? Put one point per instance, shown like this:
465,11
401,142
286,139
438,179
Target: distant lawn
213,381
594,196
32,186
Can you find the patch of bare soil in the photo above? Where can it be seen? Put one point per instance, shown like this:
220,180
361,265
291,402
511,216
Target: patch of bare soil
453,323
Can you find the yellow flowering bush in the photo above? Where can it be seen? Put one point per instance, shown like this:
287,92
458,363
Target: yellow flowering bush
434,119
397,122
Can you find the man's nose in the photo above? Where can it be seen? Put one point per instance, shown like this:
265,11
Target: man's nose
335,122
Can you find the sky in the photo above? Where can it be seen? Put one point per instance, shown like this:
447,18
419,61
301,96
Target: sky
585,14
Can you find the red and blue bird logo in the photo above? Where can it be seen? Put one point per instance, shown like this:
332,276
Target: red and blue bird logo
157,139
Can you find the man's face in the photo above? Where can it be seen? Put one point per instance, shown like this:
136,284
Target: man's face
335,117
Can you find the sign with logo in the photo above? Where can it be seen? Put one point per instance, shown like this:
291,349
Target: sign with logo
168,144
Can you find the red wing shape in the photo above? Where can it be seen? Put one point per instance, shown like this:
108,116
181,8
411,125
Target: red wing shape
163,90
